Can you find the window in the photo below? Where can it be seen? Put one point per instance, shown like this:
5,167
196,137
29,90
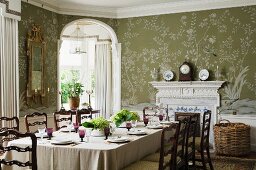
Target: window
78,68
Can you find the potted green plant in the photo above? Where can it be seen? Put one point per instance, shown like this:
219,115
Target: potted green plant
98,125
124,115
73,91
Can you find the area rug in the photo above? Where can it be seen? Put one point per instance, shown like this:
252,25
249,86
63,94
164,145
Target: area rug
233,163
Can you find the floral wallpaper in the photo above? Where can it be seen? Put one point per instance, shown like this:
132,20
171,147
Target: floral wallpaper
51,25
224,38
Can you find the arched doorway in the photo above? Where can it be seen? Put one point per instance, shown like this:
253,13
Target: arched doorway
115,57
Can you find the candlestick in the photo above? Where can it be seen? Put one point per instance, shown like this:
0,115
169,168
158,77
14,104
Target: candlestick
48,89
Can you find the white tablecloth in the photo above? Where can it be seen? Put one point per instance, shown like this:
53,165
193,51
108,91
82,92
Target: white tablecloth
97,154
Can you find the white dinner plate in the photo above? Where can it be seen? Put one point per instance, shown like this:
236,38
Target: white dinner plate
155,126
61,142
119,140
44,135
136,132
66,130
166,122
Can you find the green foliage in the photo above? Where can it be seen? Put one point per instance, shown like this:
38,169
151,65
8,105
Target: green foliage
71,89
98,123
124,115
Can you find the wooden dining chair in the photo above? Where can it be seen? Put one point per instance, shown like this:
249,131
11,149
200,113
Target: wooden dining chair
62,118
83,114
202,143
190,137
35,119
8,123
32,150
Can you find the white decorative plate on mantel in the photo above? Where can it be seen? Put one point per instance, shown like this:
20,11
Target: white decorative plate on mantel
168,75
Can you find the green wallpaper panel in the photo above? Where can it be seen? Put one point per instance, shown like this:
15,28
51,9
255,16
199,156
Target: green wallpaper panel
225,38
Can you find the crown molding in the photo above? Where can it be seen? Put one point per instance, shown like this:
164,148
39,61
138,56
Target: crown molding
145,10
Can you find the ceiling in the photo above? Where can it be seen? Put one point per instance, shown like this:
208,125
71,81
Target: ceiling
133,8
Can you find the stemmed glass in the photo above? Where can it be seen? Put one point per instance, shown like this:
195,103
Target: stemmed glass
106,132
145,120
81,134
161,117
128,125
134,124
76,126
88,134
41,131
49,132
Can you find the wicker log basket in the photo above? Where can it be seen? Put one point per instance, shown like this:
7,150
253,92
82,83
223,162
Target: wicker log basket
232,139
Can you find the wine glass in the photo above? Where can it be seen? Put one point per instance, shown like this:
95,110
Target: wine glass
76,126
69,126
106,132
112,127
41,131
145,120
161,117
128,125
81,134
49,132
134,124
88,134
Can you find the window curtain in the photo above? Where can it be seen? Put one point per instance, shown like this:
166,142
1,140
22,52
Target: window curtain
9,73
103,76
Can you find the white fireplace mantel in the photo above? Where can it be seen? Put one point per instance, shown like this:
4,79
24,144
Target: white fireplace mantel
189,96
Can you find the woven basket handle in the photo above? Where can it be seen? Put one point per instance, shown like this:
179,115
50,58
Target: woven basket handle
224,121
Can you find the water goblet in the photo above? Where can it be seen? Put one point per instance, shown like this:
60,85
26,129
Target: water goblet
106,132
81,134
145,120
128,125
76,126
41,131
134,124
161,117
88,134
49,132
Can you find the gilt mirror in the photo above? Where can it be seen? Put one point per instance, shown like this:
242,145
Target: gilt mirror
35,52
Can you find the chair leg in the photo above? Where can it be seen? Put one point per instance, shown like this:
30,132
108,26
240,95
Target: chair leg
203,160
209,159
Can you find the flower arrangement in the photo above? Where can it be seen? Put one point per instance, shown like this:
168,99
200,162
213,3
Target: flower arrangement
99,123
124,115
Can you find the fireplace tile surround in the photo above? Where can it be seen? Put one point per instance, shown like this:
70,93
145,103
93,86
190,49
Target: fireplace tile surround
189,96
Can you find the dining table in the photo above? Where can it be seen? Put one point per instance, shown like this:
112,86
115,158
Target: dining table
94,153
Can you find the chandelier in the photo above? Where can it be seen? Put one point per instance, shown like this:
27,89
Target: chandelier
79,37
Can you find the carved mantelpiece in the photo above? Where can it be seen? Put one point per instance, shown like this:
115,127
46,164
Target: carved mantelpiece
189,96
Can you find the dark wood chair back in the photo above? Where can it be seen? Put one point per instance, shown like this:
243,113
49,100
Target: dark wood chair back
180,158
30,122
83,114
61,118
169,139
205,133
150,109
8,123
33,162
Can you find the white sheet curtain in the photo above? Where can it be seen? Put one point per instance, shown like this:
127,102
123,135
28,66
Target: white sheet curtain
103,75
9,73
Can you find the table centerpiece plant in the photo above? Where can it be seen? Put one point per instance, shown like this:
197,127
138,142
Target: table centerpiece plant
124,115
97,125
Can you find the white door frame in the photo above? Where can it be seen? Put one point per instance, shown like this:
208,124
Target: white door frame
116,56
